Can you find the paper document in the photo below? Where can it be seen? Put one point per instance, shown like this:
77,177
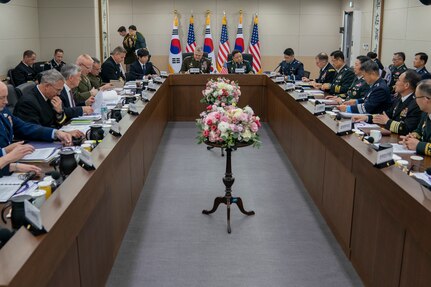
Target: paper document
8,186
364,125
399,148
41,155
423,176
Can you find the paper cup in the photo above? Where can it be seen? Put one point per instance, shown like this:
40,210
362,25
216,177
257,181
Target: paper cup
45,185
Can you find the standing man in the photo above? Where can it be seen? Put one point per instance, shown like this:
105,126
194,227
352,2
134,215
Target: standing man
378,98
419,63
344,78
238,64
111,68
196,61
129,46
397,68
138,38
24,71
291,67
57,62
327,72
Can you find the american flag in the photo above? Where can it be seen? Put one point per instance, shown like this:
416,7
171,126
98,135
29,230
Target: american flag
239,41
224,49
191,41
254,47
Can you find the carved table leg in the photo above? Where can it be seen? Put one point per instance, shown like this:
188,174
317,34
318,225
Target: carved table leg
217,202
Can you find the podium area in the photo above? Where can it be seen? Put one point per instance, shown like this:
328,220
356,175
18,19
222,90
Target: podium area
380,217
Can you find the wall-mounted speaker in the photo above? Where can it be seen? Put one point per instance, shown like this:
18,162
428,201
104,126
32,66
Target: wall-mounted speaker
426,2
4,1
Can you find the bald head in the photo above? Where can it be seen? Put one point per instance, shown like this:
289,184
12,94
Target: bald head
85,62
3,96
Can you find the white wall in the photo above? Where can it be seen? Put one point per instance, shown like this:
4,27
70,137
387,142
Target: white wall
69,25
19,31
407,27
307,26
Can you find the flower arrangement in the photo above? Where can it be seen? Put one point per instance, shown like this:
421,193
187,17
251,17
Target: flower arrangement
228,126
221,92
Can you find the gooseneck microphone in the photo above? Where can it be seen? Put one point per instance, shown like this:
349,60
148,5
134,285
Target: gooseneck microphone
277,67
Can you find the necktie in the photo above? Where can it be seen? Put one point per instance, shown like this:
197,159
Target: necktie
72,98
143,69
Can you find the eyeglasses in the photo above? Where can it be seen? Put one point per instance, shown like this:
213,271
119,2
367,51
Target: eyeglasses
420,97
57,89
88,68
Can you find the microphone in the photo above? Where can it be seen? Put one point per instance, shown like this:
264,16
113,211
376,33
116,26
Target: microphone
338,117
157,69
277,67
27,177
5,235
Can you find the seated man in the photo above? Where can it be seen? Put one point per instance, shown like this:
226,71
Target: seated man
327,72
57,62
344,77
85,89
359,88
238,65
42,105
141,67
94,75
24,71
420,139
72,109
419,63
111,68
397,68
12,128
196,61
378,98
290,67
404,114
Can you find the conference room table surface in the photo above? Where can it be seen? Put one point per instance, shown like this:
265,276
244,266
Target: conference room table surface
380,217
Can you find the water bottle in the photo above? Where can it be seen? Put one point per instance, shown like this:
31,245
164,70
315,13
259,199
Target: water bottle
104,113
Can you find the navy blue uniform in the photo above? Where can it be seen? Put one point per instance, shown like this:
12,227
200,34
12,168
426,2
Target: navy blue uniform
295,68
396,73
326,74
424,73
342,82
423,134
377,100
23,74
111,71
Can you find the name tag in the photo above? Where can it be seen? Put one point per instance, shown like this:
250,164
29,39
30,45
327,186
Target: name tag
194,71
163,74
85,157
384,155
299,96
319,109
239,71
344,126
289,87
279,79
151,86
133,110
32,214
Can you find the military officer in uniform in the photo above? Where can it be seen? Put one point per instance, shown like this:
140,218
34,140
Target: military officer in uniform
326,74
24,71
420,139
196,61
238,63
344,78
359,88
404,114
57,62
111,68
129,45
397,68
378,98
290,67
94,75
419,63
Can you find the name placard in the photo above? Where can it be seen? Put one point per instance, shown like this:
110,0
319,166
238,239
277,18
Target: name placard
239,71
279,79
163,74
384,155
319,109
194,71
344,127
299,96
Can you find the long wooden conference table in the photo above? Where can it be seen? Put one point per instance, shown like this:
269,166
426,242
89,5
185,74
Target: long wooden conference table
380,217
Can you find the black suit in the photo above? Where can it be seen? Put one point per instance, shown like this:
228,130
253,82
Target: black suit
33,108
23,74
136,72
111,71
70,110
53,65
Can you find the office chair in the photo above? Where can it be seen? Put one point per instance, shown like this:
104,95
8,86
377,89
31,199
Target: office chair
307,74
25,88
12,97
10,77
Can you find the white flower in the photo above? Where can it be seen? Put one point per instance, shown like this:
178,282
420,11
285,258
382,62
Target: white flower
223,127
246,135
248,110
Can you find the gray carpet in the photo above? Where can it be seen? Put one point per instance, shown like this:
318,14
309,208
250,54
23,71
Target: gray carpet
169,241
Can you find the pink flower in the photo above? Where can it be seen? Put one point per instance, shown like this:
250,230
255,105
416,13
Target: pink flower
209,107
209,122
254,127
206,133
214,127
